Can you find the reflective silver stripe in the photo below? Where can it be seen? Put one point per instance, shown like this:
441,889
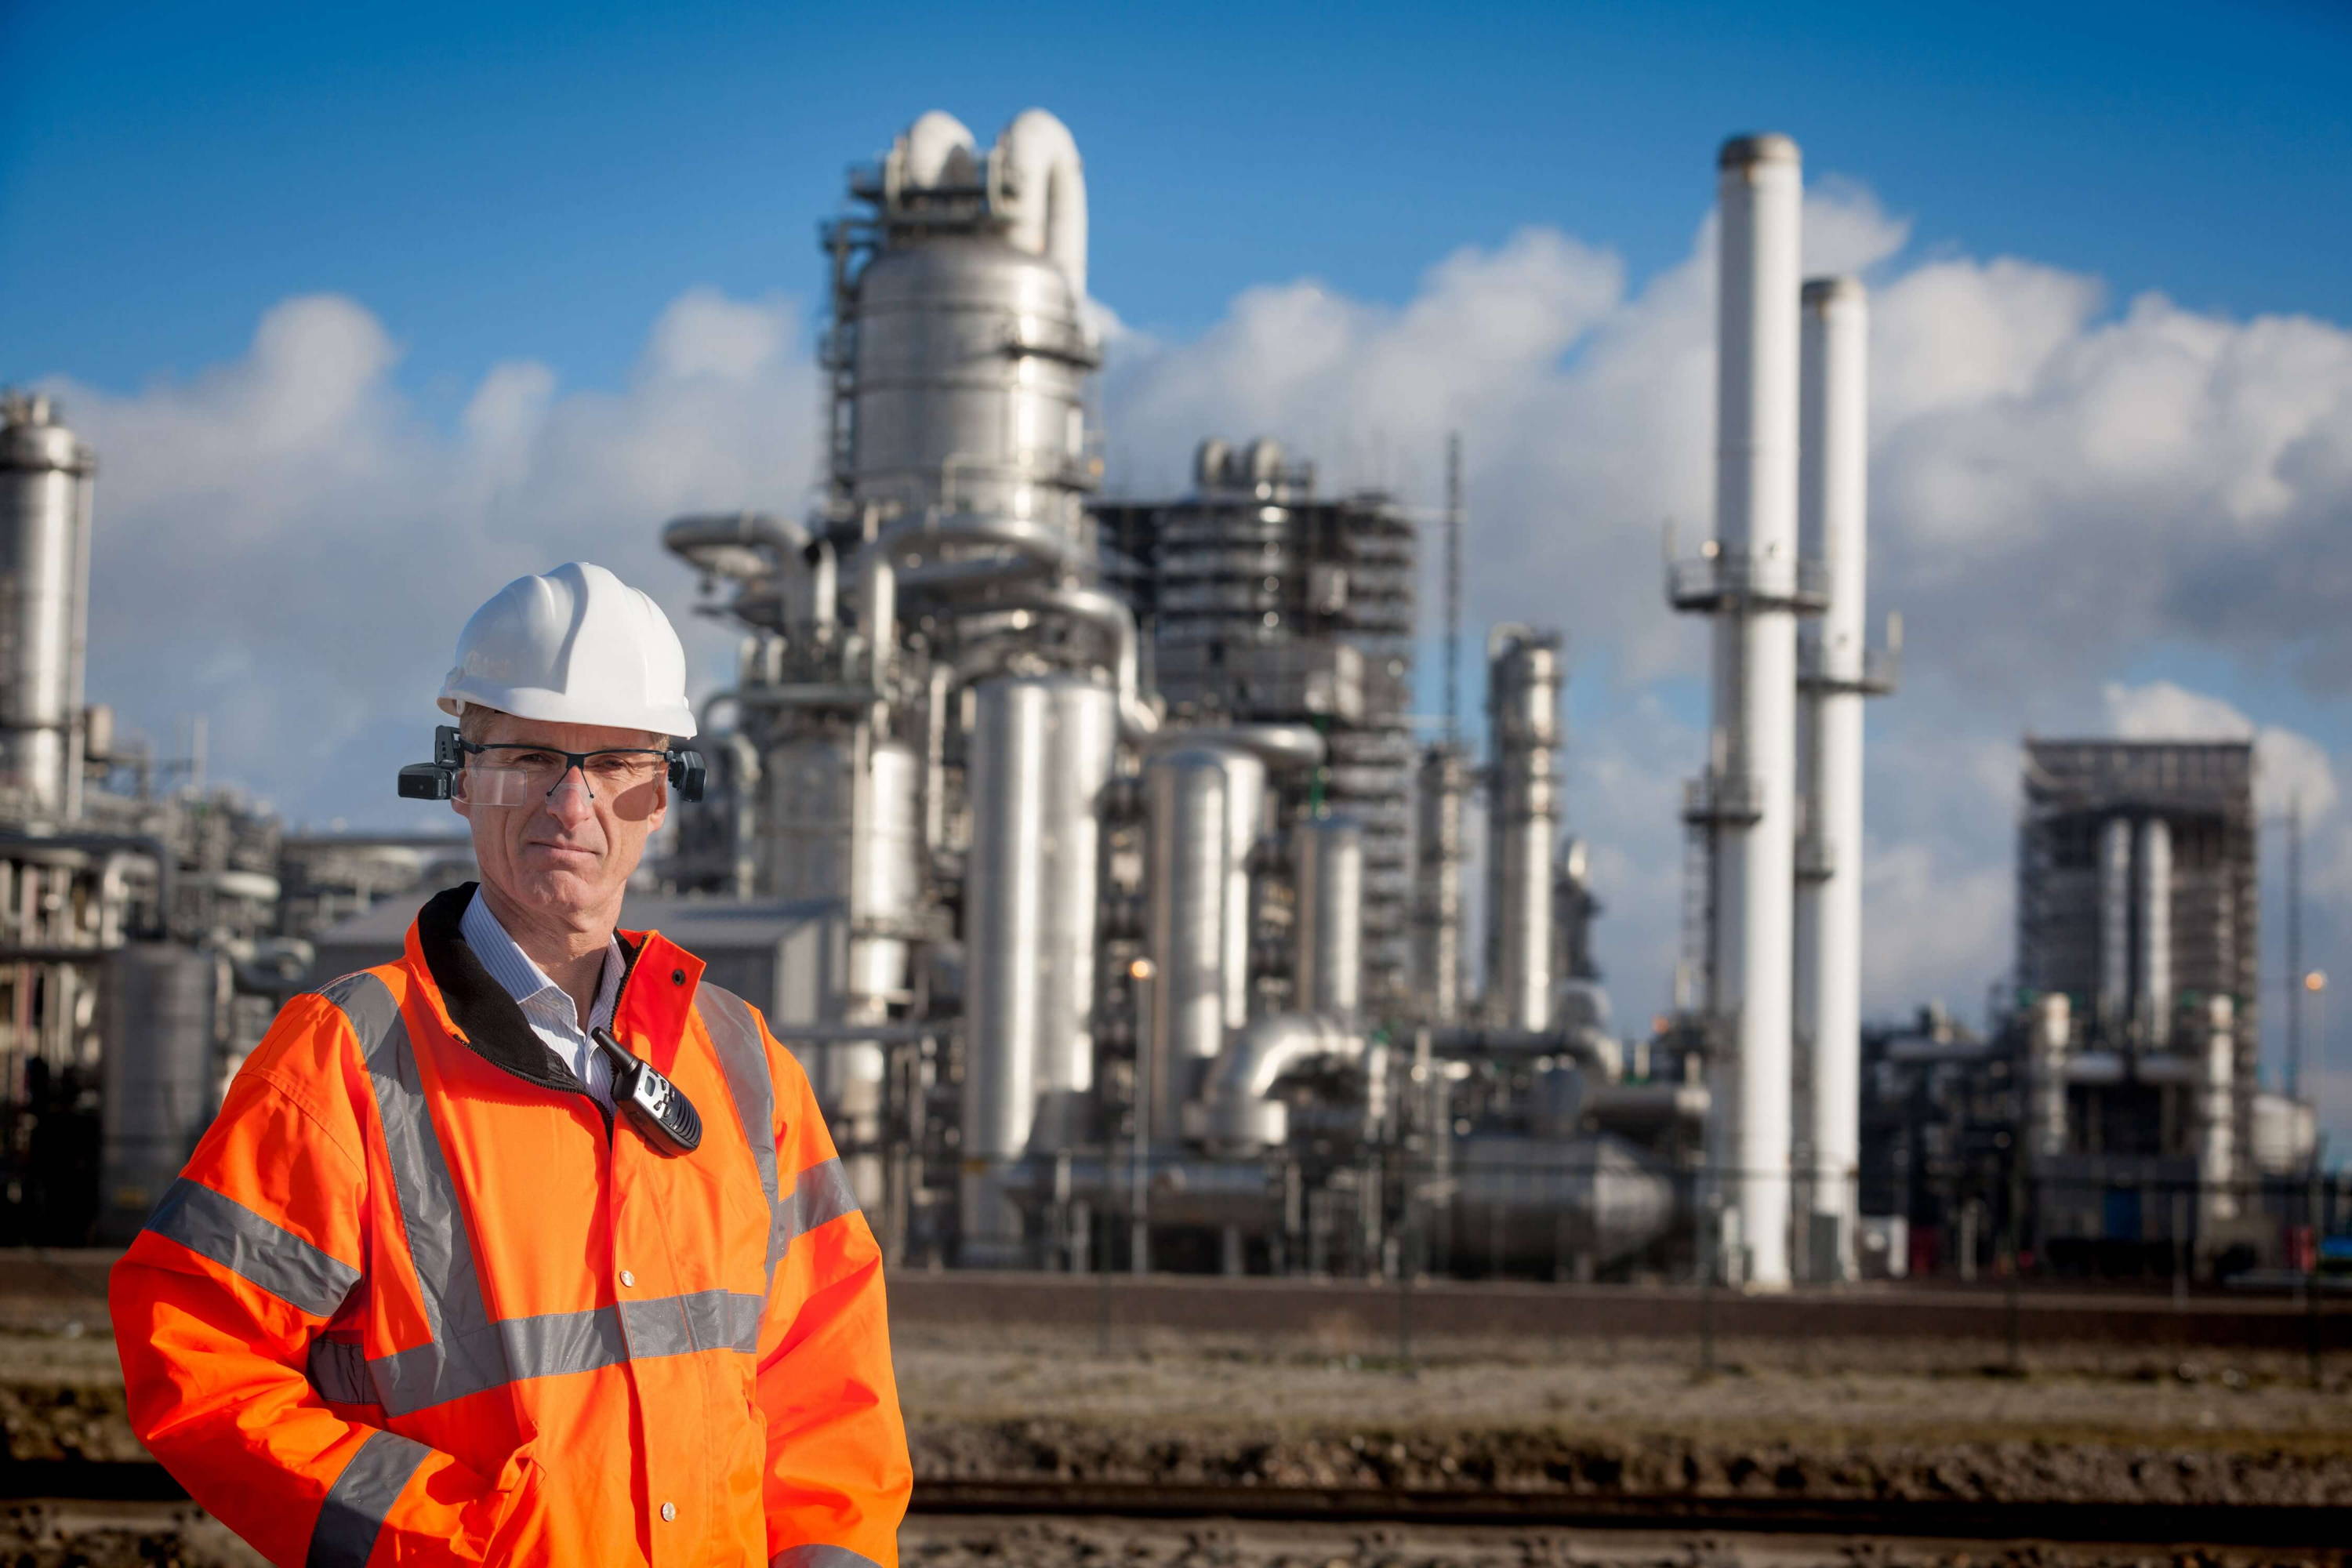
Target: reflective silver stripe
438,1245
735,1033
258,1251
468,1354
702,1320
820,1557
362,1499
496,1354
556,1344
339,1372
822,1193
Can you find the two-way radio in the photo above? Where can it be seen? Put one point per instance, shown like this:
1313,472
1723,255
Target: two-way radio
656,1107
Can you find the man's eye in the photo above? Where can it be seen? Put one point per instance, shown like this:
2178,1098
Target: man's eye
609,766
531,759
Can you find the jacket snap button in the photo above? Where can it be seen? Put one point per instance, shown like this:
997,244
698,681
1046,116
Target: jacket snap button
628,1280
669,1512
677,977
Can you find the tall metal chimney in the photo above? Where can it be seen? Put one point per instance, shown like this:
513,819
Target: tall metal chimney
1761,186
1832,489
45,496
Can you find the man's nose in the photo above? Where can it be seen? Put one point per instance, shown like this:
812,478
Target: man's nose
571,802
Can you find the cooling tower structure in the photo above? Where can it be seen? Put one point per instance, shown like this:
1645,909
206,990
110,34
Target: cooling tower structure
1838,670
1749,579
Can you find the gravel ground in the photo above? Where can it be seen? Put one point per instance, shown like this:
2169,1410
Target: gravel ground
2098,1425
2094,1424
148,1537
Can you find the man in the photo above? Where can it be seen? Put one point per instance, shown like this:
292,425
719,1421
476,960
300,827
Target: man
438,1287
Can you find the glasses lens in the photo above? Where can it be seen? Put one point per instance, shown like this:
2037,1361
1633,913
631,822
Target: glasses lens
520,775
488,783
624,770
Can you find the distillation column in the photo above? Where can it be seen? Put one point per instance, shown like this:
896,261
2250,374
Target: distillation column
1833,488
1761,191
45,495
1523,674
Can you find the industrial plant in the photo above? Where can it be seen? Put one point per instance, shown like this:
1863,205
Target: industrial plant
1090,854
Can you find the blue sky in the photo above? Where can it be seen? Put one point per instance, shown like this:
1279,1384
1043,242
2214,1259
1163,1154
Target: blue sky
536,180
530,278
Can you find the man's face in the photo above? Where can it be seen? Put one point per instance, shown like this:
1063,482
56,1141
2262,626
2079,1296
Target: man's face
569,854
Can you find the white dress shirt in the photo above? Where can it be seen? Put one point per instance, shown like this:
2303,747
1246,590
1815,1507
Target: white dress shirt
546,1006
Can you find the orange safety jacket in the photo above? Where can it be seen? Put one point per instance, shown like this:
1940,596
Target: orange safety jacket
417,1299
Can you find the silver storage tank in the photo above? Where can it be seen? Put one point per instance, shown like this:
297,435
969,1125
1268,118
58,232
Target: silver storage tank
1004,919
971,370
1185,794
1328,963
1523,707
1440,851
158,1074
1085,750
1546,1205
45,489
839,833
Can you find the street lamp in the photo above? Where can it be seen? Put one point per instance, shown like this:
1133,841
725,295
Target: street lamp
2315,985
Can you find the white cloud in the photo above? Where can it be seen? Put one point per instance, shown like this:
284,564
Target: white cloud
285,546
2059,491
2290,768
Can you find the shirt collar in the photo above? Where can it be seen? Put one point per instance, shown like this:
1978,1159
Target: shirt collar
519,977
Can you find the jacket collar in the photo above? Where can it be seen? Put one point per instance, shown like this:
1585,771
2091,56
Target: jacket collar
484,1017
652,1010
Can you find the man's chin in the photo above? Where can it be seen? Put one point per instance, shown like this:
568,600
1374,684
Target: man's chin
559,889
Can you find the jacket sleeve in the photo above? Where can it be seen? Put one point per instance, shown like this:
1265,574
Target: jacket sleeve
251,1253
838,1475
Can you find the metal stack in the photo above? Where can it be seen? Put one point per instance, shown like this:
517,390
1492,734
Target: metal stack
1775,820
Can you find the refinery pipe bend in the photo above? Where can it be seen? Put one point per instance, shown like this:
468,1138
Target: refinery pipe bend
1137,718
1027,550
1242,1118
743,546
1275,745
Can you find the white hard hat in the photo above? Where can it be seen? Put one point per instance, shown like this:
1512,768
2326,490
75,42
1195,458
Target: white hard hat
577,646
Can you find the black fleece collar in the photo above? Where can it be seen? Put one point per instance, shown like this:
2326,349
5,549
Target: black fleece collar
491,1021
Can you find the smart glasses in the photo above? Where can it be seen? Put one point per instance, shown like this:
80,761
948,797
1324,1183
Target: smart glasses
505,775
510,773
